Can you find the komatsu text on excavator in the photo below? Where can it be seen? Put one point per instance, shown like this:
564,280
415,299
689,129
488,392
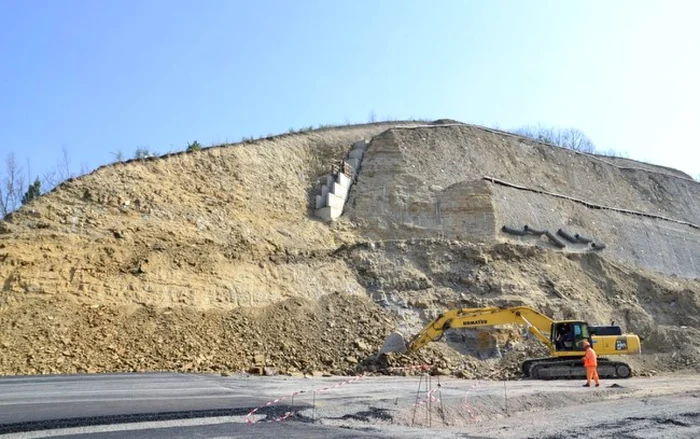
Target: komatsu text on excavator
564,339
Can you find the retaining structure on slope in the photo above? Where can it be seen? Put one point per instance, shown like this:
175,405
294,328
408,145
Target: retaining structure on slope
335,187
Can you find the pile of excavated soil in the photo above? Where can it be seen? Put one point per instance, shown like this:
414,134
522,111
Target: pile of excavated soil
213,261
331,335
341,333
440,359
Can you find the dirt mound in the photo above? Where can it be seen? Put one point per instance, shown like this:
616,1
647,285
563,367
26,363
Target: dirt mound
213,261
293,336
441,359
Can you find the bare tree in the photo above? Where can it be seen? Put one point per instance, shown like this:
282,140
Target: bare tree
63,171
49,180
571,138
576,140
372,117
118,156
12,186
29,171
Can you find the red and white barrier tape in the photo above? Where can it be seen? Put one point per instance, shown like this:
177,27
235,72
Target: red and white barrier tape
282,418
468,407
430,396
352,380
269,403
293,394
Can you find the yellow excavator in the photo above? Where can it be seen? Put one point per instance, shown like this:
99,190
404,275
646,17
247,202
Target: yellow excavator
564,338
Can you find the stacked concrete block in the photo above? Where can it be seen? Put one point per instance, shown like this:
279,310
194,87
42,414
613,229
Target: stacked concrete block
354,163
356,154
344,180
335,187
359,146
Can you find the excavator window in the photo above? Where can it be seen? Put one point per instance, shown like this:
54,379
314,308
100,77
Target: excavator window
605,330
569,336
581,334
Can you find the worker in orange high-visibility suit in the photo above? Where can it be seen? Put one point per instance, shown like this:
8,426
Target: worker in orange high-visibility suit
590,361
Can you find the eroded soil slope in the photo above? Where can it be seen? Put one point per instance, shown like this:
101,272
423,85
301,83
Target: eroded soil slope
212,261
225,227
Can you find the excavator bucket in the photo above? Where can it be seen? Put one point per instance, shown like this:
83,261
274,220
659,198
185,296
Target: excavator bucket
395,342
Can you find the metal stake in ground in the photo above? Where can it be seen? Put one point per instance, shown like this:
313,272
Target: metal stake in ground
430,400
415,406
442,406
313,409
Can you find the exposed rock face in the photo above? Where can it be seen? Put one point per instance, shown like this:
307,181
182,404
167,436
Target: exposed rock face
434,182
213,261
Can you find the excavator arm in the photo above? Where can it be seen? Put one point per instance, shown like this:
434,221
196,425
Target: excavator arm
538,324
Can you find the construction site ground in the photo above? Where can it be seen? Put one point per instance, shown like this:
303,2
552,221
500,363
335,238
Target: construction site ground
660,407
143,405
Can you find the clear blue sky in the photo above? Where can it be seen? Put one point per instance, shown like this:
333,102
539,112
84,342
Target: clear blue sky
104,76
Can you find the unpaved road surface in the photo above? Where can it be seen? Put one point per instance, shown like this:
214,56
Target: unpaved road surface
188,405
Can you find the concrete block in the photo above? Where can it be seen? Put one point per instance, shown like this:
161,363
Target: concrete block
344,180
356,154
324,190
329,213
355,163
319,202
324,213
339,190
335,201
329,180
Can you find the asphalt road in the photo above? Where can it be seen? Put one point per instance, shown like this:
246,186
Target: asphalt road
161,405
203,428
170,405
41,398
65,402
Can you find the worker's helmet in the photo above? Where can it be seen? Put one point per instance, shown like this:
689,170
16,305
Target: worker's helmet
586,343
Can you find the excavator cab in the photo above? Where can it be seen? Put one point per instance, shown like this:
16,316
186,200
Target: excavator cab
568,336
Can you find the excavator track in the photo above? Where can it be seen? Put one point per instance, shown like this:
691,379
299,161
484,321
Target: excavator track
554,368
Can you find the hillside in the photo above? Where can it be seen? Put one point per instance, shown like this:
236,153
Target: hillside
214,261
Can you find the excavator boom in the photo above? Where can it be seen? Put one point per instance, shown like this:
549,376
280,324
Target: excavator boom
538,324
